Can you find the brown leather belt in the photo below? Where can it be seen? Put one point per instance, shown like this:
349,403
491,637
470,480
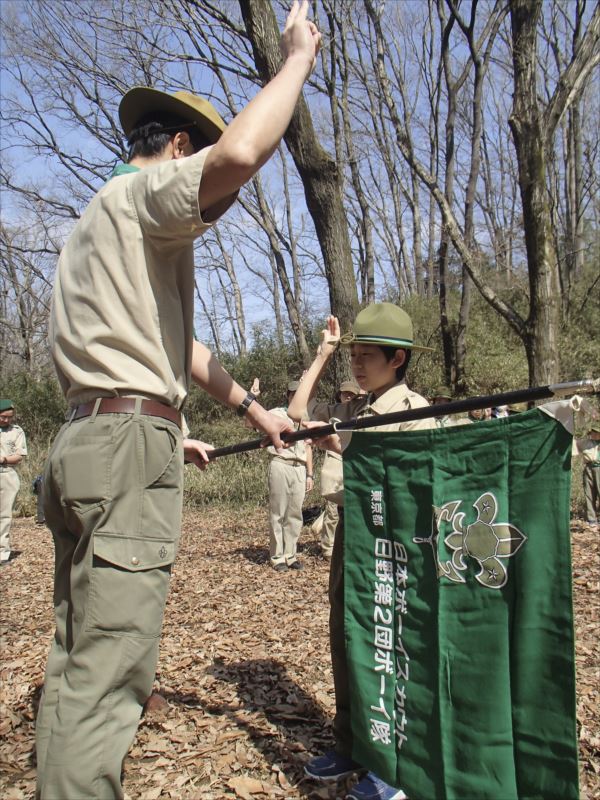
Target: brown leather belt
126,405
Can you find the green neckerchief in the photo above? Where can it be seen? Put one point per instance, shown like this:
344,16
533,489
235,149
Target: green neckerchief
123,169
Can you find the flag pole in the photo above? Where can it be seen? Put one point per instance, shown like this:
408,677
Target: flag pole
439,410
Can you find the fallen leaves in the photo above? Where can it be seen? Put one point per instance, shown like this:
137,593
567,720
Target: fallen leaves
244,676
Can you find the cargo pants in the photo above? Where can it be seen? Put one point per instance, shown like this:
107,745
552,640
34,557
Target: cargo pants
287,488
9,488
591,491
112,499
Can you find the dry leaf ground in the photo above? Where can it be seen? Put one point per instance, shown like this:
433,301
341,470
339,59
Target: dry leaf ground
244,666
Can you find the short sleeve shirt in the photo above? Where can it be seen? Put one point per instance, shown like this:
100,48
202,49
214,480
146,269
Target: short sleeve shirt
398,398
295,452
123,303
588,449
12,442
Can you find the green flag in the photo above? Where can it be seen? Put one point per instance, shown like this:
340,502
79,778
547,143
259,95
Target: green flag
459,622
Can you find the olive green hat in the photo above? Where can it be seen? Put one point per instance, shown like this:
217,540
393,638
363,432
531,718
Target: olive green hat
349,386
6,405
142,99
384,324
515,408
293,386
442,391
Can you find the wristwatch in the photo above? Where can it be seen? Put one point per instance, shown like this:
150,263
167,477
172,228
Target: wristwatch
245,404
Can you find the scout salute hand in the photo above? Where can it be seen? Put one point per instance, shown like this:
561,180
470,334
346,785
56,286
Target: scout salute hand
329,341
300,36
330,337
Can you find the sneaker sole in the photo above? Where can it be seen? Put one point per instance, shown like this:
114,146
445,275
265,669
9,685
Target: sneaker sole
398,796
333,778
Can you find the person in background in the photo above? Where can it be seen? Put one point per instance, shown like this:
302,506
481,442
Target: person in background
290,476
331,481
13,449
515,408
38,489
477,415
588,447
442,395
381,344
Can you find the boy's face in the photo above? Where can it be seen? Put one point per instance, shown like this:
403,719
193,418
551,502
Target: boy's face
371,370
6,418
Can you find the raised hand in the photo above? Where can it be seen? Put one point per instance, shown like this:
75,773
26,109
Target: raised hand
300,37
330,336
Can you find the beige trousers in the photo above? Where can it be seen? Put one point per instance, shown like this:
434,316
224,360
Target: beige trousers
287,487
112,499
9,486
330,521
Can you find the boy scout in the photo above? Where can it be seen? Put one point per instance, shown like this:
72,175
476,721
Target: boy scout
331,480
121,335
290,477
380,344
442,395
13,448
588,448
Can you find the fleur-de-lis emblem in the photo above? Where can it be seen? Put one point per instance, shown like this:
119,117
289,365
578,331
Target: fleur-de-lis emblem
485,540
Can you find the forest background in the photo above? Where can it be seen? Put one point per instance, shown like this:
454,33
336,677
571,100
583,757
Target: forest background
444,157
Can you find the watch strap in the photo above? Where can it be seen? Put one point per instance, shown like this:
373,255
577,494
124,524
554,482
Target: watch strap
245,404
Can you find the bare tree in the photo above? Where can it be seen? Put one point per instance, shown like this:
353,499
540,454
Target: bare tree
319,173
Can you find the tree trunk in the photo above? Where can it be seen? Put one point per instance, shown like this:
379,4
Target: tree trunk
319,173
526,123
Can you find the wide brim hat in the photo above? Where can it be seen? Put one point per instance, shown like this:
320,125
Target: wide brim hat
442,391
384,324
516,408
349,386
142,99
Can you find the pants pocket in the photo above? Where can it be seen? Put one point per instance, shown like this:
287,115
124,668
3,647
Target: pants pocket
85,467
129,584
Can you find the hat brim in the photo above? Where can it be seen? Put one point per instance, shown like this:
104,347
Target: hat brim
142,99
384,341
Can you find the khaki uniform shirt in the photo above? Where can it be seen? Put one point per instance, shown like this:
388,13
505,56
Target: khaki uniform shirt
588,449
295,453
123,304
12,443
398,398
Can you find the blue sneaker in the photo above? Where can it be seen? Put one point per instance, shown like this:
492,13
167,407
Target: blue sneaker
372,788
331,767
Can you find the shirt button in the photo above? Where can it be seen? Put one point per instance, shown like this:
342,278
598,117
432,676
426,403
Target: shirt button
135,561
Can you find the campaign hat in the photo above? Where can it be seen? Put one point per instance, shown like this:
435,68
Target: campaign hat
384,324
141,100
442,391
349,386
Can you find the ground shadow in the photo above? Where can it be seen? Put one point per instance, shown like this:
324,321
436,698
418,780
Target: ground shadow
264,686
260,555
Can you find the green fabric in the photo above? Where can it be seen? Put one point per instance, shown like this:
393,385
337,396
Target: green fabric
6,405
123,169
459,624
